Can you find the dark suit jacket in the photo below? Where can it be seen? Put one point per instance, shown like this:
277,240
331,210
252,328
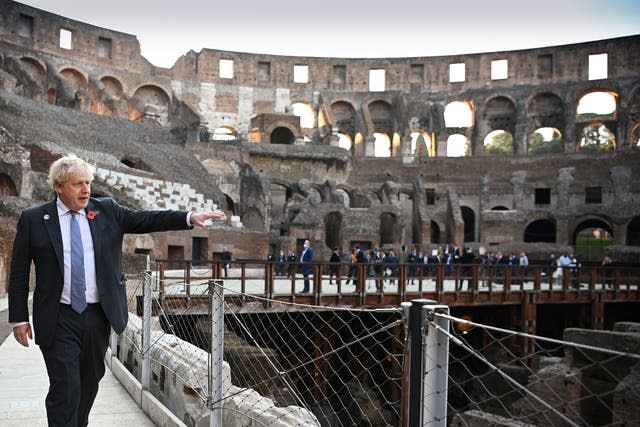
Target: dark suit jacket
307,257
38,239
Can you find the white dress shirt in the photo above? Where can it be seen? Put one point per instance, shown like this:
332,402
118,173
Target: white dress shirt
64,215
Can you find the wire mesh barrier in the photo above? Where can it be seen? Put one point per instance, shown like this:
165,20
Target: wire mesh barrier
230,353
496,374
286,364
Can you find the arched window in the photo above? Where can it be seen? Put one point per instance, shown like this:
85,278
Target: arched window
382,145
344,141
421,144
224,133
596,139
282,135
458,146
458,114
591,237
545,140
469,218
7,187
498,143
305,112
596,105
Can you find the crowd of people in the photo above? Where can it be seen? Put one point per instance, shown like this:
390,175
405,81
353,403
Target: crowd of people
382,265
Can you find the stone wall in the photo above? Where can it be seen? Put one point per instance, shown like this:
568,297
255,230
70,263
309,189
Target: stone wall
179,375
376,197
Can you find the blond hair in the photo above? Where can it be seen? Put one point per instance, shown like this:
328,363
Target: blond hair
66,167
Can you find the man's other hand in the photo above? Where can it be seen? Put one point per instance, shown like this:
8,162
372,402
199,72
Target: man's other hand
23,334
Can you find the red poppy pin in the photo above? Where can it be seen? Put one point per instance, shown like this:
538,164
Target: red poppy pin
92,214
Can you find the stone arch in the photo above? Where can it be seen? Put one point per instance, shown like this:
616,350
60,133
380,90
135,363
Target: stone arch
7,186
152,102
540,230
634,118
76,78
499,113
381,116
343,116
633,232
469,219
595,138
545,110
590,222
346,196
500,208
596,112
435,232
282,135
35,67
545,140
333,229
635,137
605,97
388,228
499,142
112,86
590,236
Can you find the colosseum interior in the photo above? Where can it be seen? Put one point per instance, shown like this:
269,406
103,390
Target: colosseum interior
529,149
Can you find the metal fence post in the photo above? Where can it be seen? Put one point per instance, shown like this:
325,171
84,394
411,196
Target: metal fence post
415,361
145,377
216,308
435,366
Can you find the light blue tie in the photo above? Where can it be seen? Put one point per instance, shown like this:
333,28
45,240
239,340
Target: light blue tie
78,287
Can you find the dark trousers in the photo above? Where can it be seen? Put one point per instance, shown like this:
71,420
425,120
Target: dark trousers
306,287
75,364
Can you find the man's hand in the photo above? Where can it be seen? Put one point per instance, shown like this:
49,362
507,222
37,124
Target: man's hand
200,218
23,334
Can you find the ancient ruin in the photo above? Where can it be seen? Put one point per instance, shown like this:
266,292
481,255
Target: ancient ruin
495,149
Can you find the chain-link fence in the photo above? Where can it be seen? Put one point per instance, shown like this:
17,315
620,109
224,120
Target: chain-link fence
308,365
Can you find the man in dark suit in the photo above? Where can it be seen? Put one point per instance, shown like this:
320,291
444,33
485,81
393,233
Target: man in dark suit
305,259
226,260
75,243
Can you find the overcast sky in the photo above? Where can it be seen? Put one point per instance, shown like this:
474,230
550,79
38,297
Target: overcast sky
352,28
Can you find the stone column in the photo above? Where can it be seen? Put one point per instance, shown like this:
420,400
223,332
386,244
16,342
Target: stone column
517,181
565,179
369,146
620,179
562,232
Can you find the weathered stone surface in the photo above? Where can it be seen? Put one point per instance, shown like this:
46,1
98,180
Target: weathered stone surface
626,398
475,418
626,327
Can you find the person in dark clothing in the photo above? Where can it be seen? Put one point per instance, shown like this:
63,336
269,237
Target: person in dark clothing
466,260
226,260
334,268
